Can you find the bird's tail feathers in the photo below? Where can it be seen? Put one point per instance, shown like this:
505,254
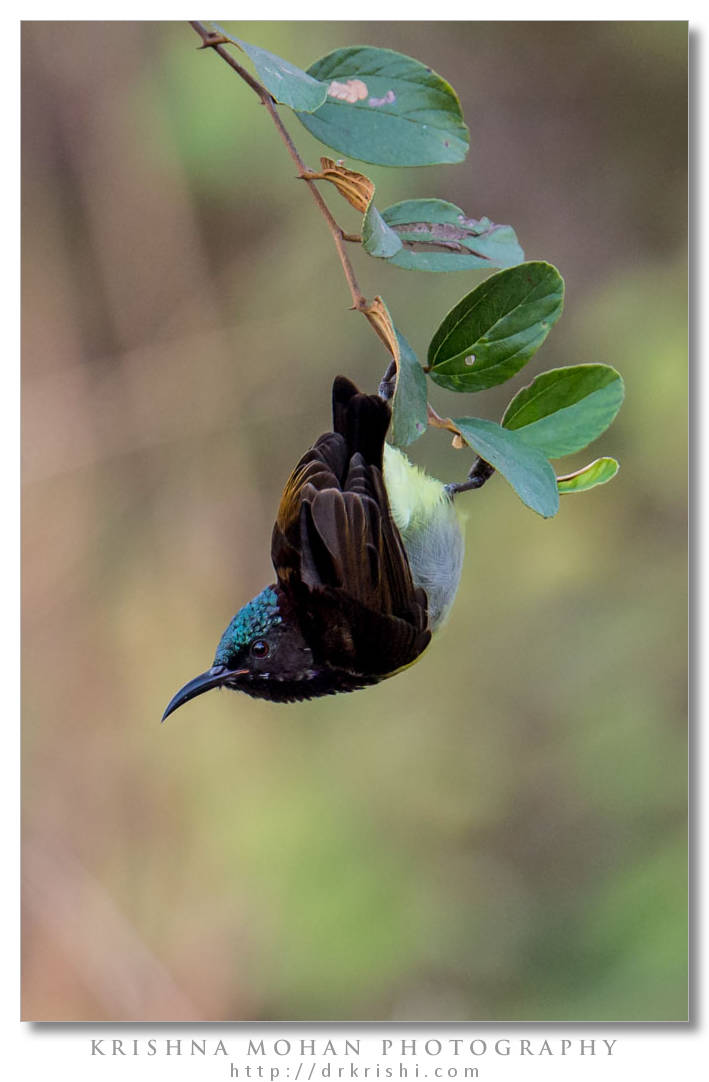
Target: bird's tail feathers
362,419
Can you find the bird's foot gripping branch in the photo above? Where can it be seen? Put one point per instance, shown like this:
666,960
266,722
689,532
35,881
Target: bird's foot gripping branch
360,581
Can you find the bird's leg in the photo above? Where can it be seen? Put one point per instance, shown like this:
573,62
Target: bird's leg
388,384
479,473
480,470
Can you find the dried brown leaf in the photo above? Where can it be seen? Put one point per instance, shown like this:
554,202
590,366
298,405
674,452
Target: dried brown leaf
356,188
380,319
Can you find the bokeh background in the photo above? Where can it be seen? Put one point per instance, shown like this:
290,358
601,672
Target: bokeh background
499,833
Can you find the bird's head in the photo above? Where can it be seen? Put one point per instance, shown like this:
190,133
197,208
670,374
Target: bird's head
262,652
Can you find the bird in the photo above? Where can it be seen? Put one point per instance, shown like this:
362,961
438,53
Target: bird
368,552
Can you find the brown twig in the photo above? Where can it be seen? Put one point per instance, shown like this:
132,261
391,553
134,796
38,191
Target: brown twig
216,42
481,470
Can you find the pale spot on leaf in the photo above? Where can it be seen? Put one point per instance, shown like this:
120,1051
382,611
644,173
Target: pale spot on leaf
388,99
470,360
352,91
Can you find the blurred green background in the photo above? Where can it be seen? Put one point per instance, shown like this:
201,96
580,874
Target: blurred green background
500,832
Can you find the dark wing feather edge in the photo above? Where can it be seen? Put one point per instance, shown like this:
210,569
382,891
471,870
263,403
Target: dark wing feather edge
338,553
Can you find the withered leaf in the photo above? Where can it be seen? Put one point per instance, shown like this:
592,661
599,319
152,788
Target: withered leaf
437,236
356,188
378,315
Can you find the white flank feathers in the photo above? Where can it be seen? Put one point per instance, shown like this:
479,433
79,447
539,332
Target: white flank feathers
430,528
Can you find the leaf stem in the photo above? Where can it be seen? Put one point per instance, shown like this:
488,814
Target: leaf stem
436,421
216,41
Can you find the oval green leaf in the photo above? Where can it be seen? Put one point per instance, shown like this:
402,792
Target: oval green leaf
493,331
523,467
565,409
437,236
386,108
288,84
596,473
409,413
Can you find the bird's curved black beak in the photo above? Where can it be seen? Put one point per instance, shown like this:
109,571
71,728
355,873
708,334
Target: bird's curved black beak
212,678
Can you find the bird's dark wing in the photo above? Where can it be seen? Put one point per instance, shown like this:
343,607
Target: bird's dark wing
338,553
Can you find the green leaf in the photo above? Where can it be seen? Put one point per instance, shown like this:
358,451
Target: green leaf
386,108
377,238
525,468
288,84
437,236
596,473
565,409
493,331
409,413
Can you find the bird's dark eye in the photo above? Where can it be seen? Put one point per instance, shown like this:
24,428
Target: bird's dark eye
260,648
